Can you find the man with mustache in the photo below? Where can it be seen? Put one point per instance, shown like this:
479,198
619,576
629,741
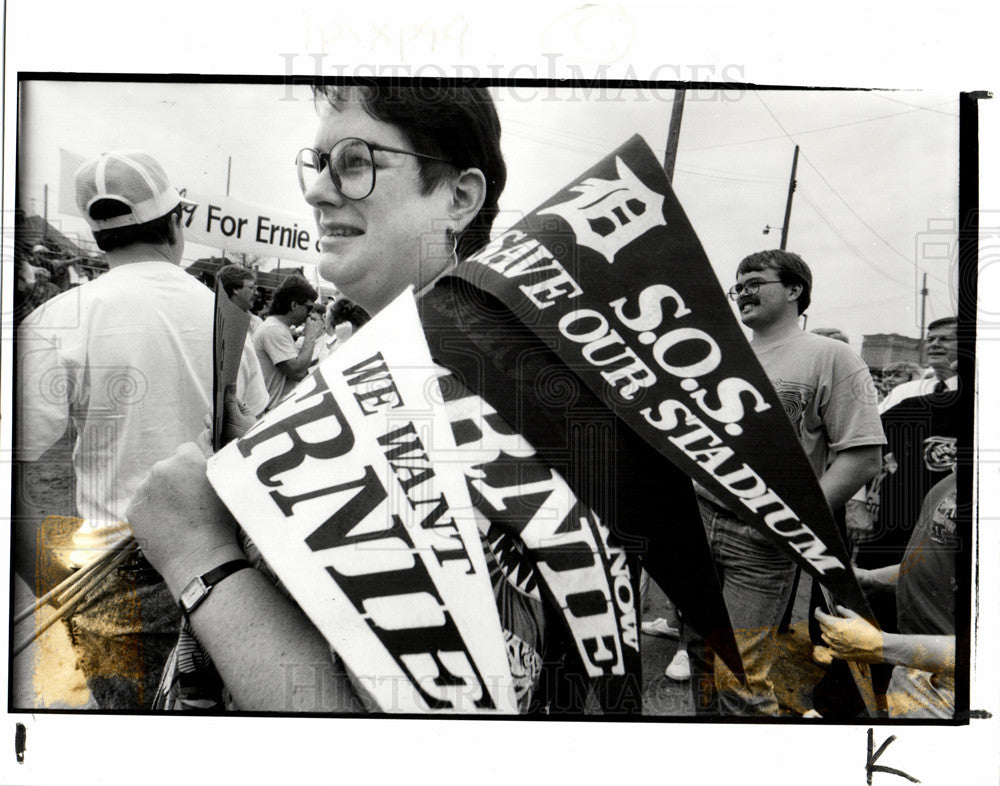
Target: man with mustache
829,397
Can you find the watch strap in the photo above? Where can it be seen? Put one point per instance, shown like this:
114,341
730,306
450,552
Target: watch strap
199,588
216,575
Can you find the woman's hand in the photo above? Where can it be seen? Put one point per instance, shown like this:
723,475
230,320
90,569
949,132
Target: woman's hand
182,527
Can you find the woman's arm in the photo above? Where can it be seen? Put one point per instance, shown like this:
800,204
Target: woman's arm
266,650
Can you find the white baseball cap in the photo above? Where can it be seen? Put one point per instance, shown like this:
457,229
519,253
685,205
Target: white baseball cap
131,177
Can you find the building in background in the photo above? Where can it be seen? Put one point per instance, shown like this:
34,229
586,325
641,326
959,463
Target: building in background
880,349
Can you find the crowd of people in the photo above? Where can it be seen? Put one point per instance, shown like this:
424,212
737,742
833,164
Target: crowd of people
141,457
44,272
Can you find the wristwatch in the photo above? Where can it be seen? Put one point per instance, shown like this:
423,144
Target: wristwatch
194,594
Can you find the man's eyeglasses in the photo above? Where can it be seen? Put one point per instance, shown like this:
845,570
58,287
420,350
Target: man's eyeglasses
350,163
750,287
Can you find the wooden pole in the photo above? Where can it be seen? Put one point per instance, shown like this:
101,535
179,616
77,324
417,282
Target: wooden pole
923,321
229,175
788,202
673,135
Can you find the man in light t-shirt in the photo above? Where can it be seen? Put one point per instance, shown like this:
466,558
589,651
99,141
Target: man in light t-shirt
128,359
283,363
828,395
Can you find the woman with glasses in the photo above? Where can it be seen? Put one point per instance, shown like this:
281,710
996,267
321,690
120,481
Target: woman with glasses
403,185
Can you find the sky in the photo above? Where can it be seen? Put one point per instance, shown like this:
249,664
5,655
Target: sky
874,207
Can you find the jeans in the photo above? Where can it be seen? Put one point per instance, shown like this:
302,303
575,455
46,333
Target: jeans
756,582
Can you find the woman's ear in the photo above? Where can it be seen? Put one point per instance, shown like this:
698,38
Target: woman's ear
468,194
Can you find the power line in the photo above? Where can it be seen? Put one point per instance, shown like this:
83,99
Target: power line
836,193
933,295
735,177
868,226
928,108
851,246
820,130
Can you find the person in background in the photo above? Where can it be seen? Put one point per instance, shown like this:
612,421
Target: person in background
835,333
241,287
128,359
921,419
922,653
896,374
284,364
679,668
942,356
829,397
340,321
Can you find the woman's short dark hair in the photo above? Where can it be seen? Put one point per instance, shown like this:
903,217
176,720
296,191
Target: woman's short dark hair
344,310
155,232
791,270
458,123
293,289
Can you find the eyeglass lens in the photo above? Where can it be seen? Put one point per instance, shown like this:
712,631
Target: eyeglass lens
750,288
350,168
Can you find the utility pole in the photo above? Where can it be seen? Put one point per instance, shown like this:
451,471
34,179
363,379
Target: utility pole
45,213
673,135
923,321
788,203
229,174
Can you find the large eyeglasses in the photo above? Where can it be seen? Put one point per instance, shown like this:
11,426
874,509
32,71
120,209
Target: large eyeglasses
750,287
350,163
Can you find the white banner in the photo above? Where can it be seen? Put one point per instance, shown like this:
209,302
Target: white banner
352,492
221,221
238,227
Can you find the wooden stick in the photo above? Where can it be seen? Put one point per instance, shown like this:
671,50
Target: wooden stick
75,600
126,545
84,588
75,577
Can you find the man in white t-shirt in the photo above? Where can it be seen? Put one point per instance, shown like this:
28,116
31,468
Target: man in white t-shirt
128,359
284,363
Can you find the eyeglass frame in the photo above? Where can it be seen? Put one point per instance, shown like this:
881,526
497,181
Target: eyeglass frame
736,290
372,147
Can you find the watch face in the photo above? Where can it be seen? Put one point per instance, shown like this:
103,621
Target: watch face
192,594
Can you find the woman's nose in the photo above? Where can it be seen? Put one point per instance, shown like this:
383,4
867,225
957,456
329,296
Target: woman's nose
323,191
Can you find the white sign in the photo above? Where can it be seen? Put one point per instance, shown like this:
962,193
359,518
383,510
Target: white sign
237,227
351,491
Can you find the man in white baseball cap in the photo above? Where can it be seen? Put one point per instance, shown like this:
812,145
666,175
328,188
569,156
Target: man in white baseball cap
128,359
